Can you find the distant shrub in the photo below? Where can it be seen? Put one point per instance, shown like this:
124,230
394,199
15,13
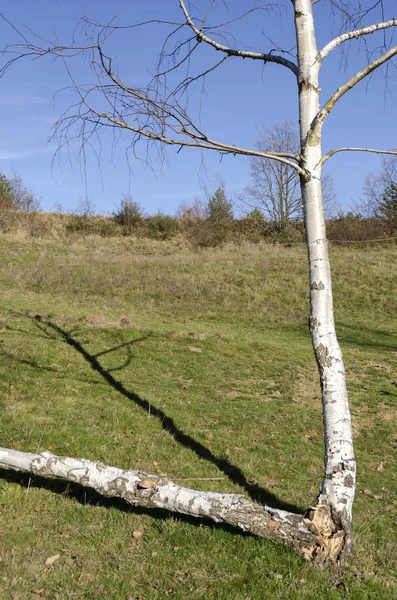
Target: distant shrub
161,226
351,227
253,226
81,224
208,234
292,233
256,216
128,215
85,225
106,227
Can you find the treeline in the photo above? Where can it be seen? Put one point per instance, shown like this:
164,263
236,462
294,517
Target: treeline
196,231
200,224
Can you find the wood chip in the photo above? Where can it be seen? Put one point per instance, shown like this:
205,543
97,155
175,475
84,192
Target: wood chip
145,484
272,525
138,534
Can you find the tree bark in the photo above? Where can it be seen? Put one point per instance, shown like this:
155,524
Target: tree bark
338,485
311,535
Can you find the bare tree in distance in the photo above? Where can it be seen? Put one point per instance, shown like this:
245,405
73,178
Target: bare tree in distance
195,209
15,194
86,207
374,187
275,187
161,112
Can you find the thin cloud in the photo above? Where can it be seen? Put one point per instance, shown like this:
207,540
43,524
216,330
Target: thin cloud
21,100
23,153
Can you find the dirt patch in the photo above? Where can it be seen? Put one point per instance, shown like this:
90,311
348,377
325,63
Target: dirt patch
307,389
101,322
198,336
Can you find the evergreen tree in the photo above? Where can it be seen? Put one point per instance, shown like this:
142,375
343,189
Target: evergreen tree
6,192
219,207
388,205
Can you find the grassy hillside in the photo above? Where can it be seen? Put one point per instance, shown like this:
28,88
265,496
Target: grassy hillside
216,341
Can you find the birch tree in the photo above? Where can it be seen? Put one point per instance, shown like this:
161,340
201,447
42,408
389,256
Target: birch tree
160,113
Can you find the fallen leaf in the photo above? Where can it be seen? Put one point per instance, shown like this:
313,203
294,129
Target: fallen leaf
379,466
155,463
41,593
138,534
51,559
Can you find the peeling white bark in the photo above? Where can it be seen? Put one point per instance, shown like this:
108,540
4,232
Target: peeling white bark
338,486
150,491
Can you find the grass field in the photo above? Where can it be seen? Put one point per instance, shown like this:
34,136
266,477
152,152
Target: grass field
197,365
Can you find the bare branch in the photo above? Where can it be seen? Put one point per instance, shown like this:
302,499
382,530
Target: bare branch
169,116
202,37
354,35
392,151
329,105
202,141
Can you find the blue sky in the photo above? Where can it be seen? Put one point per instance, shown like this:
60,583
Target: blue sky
240,98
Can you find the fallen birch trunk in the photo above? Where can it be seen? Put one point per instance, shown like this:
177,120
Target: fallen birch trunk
314,535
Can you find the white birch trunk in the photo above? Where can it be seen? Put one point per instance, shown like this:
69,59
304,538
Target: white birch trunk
150,491
338,486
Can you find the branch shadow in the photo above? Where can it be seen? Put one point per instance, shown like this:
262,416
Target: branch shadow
86,496
367,337
233,472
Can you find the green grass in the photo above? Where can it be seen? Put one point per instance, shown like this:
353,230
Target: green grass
197,365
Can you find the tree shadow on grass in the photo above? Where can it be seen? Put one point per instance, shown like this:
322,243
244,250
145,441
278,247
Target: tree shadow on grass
233,472
366,337
89,497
